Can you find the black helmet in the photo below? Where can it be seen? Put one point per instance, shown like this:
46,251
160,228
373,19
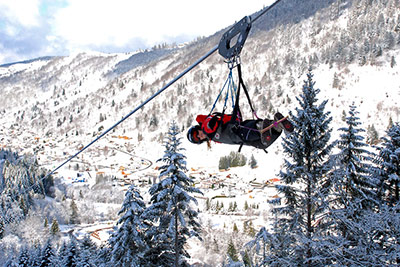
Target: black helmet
192,135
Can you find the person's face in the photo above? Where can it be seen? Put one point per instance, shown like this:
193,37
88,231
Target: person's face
201,135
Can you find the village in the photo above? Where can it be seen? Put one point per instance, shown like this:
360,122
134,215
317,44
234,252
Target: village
114,160
115,157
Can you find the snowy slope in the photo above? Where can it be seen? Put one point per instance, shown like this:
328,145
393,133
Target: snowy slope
54,107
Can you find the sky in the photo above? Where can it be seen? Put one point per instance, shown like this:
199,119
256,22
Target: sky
36,28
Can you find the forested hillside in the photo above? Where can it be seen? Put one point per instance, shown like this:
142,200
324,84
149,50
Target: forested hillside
332,66
337,38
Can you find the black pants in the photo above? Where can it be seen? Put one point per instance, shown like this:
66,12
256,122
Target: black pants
249,133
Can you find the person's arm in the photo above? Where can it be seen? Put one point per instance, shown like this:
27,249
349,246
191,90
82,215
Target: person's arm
209,124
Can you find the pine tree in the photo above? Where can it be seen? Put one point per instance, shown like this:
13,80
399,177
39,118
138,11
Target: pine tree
74,217
246,205
250,229
102,256
353,163
388,171
69,254
208,205
305,198
372,135
62,252
232,252
2,227
35,254
253,162
390,124
261,241
48,256
353,193
54,228
392,62
127,243
87,250
246,259
235,228
230,208
174,221
24,258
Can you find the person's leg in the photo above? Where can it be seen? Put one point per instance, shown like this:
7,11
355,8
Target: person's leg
269,136
248,130
285,124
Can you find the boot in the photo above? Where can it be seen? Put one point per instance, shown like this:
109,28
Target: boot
285,125
266,137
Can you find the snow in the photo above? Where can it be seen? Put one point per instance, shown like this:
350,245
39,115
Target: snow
375,90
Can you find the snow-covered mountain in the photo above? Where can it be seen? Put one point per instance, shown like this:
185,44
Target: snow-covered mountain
353,47
53,106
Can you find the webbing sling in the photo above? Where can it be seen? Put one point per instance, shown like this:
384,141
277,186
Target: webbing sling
236,109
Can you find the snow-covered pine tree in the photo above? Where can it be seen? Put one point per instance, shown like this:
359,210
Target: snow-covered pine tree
127,243
304,183
35,254
262,239
102,257
69,254
387,174
54,228
24,257
2,227
19,178
231,252
87,252
352,196
74,217
47,256
173,218
253,162
388,171
353,164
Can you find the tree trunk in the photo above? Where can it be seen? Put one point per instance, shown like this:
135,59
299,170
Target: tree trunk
309,225
309,214
176,240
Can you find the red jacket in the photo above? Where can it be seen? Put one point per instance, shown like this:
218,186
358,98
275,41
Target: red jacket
209,123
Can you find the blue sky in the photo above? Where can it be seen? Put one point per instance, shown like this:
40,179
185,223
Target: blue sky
35,28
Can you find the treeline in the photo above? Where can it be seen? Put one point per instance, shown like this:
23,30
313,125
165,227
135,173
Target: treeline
147,235
21,180
335,209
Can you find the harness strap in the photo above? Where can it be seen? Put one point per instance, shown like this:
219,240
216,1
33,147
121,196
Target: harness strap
245,90
236,110
228,83
240,147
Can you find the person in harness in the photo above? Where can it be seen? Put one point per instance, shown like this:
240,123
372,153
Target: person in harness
229,128
222,128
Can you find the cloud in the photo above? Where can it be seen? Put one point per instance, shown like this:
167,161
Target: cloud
33,28
23,30
23,13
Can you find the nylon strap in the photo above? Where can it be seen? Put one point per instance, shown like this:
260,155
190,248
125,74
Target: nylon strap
236,109
245,89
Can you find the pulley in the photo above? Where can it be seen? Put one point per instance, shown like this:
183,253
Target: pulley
233,40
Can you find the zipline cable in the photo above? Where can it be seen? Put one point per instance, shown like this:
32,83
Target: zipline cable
214,49
120,121
139,107
265,11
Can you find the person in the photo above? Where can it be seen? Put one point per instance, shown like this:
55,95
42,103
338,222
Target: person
221,128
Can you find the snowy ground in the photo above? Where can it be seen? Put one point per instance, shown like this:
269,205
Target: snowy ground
241,184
